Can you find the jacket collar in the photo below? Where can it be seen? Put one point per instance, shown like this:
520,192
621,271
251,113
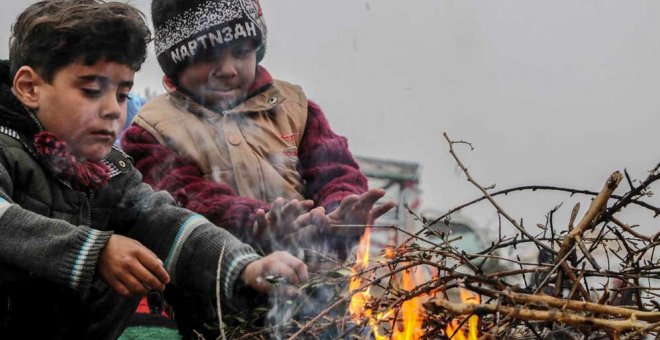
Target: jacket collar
263,96
264,101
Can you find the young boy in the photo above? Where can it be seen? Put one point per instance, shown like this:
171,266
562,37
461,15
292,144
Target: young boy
230,142
81,237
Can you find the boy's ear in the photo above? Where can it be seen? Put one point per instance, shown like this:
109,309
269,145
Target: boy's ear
168,83
26,86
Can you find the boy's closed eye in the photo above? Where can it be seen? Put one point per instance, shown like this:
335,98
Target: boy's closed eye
242,50
92,93
94,86
122,96
237,51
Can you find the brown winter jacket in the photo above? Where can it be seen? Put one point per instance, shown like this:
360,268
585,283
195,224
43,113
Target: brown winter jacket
252,148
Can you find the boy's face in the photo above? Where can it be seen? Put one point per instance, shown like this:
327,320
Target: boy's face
86,106
222,82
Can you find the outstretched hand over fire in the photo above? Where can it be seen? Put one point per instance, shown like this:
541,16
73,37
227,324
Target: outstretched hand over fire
286,217
295,226
359,211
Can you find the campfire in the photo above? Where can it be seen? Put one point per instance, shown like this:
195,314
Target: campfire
406,327
595,275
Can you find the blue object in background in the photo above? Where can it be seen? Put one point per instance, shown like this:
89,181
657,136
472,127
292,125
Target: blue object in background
135,103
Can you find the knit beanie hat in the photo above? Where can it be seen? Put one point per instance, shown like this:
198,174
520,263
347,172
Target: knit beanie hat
186,30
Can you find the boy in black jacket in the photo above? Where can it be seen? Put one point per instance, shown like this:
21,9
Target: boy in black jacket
81,237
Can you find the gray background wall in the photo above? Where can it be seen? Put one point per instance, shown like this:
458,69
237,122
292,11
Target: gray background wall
550,92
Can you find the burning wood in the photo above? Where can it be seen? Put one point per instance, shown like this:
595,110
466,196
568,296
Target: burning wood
598,277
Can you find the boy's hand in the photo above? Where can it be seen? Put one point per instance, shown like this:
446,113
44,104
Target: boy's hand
353,210
285,218
279,264
131,268
359,210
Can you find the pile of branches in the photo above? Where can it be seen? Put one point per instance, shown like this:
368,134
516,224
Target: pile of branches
568,291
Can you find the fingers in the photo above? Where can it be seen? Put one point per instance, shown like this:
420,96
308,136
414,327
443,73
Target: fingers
363,202
142,273
369,198
279,264
260,224
286,266
380,210
319,218
151,272
345,209
299,269
131,268
282,206
295,207
348,203
261,221
126,283
275,212
307,204
277,204
286,217
315,216
134,285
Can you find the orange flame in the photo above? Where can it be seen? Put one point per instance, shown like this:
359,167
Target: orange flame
410,310
454,331
360,299
364,249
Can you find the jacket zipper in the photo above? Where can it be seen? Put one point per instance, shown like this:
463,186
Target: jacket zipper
90,199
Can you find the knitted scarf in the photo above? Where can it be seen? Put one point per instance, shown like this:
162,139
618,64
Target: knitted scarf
81,175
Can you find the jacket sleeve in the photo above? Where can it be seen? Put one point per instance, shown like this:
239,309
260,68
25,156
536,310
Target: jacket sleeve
189,245
165,170
327,166
47,248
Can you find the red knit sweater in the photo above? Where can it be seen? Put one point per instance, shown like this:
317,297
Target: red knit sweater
325,164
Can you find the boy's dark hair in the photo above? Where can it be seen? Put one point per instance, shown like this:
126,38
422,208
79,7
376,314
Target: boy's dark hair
51,34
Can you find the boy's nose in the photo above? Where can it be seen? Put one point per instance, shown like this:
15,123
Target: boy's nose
225,68
111,109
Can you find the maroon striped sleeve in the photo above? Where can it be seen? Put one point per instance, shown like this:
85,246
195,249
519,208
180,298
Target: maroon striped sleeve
328,168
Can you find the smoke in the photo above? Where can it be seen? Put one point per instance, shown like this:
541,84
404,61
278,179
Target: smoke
308,303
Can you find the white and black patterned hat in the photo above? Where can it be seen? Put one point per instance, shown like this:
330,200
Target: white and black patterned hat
188,29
